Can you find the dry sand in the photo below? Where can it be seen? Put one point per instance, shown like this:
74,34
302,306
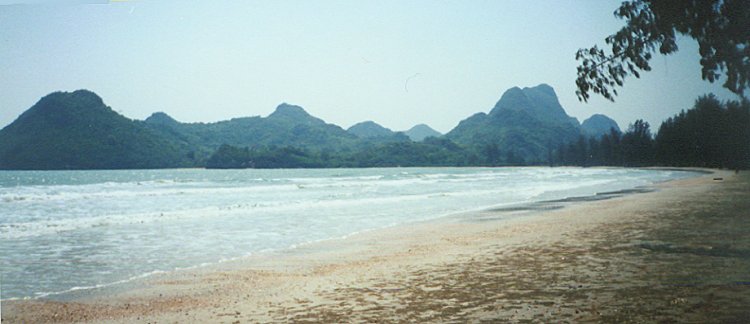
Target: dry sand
678,254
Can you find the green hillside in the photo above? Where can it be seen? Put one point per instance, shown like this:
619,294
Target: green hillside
525,124
76,130
288,125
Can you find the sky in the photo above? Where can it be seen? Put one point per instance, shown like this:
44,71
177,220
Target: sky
395,62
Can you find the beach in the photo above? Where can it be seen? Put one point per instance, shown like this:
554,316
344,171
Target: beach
678,253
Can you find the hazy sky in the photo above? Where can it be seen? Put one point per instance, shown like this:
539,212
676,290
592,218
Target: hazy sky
343,61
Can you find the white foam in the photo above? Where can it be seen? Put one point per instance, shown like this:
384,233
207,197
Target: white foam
113,227
98,286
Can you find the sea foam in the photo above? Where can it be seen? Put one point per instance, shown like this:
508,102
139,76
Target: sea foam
65,231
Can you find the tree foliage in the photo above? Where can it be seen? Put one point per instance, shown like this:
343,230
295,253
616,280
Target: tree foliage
712,134
721,27
78,131
431,152
638,145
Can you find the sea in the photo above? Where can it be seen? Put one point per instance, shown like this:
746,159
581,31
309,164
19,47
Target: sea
65,231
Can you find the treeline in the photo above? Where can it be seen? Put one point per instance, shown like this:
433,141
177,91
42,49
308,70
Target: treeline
430,152
712,134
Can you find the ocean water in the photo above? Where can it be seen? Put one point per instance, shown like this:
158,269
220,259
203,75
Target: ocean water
69,230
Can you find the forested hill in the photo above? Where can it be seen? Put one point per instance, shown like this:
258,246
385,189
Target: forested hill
369,129
527,126
599,125
288,125
78,131
522,128
421,131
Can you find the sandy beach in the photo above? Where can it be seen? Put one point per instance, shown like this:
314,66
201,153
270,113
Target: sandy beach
678,253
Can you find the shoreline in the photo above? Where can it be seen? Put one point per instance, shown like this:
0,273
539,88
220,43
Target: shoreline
338,280
503,211
539,203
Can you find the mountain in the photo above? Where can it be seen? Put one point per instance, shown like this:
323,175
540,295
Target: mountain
541,102
368,129
76,130
420,132
161,118
292,115
288,125
598,125
525,125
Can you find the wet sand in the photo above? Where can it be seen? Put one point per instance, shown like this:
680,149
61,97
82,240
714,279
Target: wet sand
680,253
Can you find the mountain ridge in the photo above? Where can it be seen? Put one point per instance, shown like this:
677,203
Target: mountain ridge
522,128
525,124
369,129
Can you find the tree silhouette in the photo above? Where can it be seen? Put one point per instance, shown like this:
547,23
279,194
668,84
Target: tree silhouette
637,144
721,27
712,134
